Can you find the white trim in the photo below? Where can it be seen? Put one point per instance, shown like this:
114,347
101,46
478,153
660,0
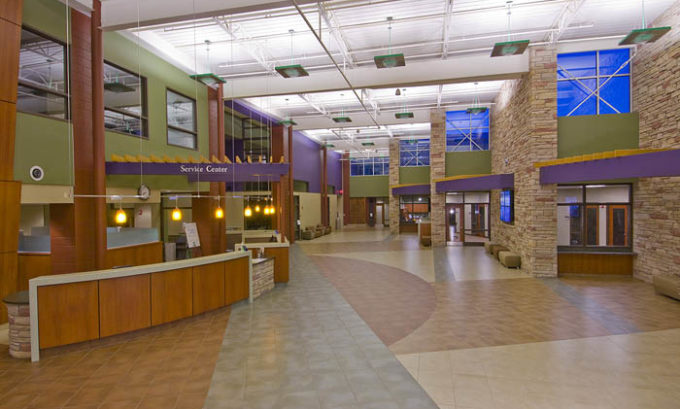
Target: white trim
107,274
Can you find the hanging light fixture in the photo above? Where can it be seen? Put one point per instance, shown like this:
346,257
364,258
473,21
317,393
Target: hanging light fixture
121,216
247,212
257,208
342,119
208,79
644,35
389,60
291,70
405,113
476,108
509,47
176,214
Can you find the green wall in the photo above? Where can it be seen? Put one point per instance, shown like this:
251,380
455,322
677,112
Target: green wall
468,163
414,175
44,141
580,135
369,186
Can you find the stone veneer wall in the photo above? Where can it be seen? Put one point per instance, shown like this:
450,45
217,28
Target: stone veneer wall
524,131
656,201
394,180
437,171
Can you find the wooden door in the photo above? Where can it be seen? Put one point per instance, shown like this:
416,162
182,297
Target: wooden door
592,225
618,225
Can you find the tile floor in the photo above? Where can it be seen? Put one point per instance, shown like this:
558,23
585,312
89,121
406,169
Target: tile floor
371,320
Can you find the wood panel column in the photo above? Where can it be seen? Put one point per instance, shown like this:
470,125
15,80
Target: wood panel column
89,221
99,141
345,189
282,191
212,231
10,190
324,186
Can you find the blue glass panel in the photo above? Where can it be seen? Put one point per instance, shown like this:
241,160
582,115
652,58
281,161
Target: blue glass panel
368,169
582,64
611,60
479,120
617,93
480,139
457,119
356,169
423,158
571,93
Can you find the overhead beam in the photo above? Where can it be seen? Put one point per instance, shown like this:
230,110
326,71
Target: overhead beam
468,68
447,25
337,35
563,20
254,48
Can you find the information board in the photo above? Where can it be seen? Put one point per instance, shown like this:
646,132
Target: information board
191,231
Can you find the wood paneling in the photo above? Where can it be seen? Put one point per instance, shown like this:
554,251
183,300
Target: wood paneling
68,313
324,186
32,266
8,280
170,295
281,263
11,10
358,210
9,61
124,304
598,264
203,214
7,131
139,255
62,237
10,210
98,138
208,287
236,280
346,208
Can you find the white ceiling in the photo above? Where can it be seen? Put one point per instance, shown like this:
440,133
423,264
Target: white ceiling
444,41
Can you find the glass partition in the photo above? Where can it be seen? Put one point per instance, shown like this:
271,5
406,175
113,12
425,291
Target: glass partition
34,229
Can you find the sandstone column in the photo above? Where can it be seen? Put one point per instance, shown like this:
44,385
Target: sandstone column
437,171
394,180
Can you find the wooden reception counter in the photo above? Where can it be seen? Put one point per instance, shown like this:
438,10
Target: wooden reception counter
276,250
71,308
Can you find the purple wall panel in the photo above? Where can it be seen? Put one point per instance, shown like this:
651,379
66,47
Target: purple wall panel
307,161
334,169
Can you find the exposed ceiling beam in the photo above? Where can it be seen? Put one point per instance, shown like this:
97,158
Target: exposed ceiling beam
337,35
255,49
440,91
447,25
319,108
563,20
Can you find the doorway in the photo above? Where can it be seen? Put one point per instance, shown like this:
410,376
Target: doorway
618,225
592,225
380,213
455,223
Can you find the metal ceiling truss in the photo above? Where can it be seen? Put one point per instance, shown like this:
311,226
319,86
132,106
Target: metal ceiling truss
563,20
337,34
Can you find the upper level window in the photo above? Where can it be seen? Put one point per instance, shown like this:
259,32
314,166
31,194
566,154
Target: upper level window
370,166
181,112
414,152
593,82
42,76
467,131
124,101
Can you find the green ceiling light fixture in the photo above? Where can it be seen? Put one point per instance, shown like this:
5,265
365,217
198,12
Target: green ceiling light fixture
117,87
291,70
644,35
287,122
342,119
329,145
404,114
367,144
509,47
476,107
209,78
389,60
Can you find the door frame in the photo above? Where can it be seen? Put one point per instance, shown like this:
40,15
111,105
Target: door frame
460,209
610,222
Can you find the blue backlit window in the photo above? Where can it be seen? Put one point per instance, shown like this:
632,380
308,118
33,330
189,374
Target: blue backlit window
593,82
414,152
369,166
467,132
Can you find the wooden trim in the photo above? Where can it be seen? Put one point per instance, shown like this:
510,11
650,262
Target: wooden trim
610,222
595,264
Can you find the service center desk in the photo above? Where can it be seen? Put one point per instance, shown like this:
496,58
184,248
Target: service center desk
276,250
71,308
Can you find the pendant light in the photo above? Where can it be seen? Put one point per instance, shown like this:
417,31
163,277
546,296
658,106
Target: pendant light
389,60
121,216
342,119
176,214
248,212
644,35
208,79
291,70
509,47
476,108
219,212
404,114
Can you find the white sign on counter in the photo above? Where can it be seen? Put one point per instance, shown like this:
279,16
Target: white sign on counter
191,232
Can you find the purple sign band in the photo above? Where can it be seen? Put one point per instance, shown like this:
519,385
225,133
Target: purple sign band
207,172
491,182
654,164
412,190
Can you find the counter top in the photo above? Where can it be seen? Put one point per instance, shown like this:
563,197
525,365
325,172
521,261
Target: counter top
131,271
261,260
